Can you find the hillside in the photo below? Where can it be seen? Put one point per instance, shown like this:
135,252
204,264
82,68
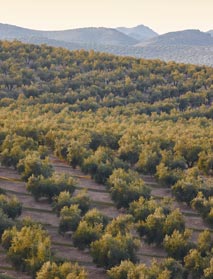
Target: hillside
107,36
9,32
91,35
181,38
189,46
210,32
111,158
140,32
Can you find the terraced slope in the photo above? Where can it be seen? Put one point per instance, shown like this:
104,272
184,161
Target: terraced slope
102,201
42,212
193,220
62,245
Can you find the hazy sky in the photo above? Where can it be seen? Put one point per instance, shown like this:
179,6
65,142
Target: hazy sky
161,15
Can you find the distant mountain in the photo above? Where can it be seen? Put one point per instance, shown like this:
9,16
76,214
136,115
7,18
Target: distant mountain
140,32
90,35
9,32
188,46
181,38
210,32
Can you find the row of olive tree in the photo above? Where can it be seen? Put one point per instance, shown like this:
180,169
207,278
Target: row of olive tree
29,249
183,263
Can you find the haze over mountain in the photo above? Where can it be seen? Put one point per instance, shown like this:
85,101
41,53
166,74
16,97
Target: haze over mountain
210,32
187,46
180,38
89,35
140,32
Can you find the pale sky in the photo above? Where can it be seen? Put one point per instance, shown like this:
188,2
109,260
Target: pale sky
160,15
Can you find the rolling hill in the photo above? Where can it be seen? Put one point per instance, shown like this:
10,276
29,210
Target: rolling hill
187,46
210,32
110,160
90,35
181,38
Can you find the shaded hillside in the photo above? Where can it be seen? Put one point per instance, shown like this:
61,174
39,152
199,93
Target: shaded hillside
181,38
189,46
89,80
201,55
90,35
9,32
210,32
105,36
140,32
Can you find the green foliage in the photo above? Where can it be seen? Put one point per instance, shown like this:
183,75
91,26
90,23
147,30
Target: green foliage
121,271
83,200
186,189
40,186
102,155
11,157
177,245
66,198
205,242
101,164
10,206
126,187
14,148
195,263
148,160
2,191
166,176
121,225
208,272
174,221
29,249
204,207
5,222
7,237
91,81
94,217
110,251
104,113
188,150
90,228
142,208
152,228
63,199
205,162
66,270
86,234
104,138
76,153
160,224
69,218
33,165
168,269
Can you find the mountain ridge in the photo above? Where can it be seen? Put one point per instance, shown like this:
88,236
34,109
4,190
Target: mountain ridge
100,35
186,46
192,37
